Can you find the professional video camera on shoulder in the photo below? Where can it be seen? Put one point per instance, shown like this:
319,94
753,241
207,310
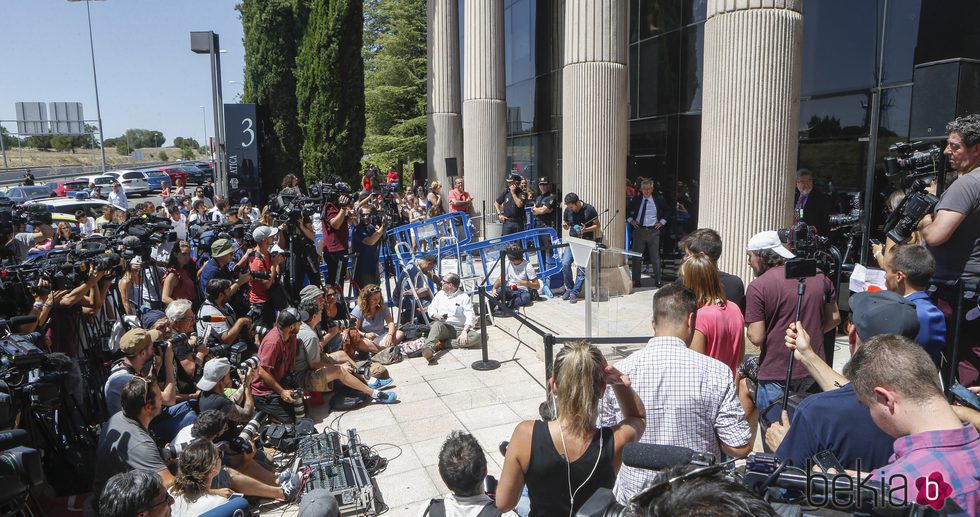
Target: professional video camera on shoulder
917,169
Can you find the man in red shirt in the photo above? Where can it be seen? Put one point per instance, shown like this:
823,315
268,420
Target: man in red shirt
459,199
274,384
263,306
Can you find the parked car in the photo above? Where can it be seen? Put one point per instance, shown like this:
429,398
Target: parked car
133,182
68,205
20,195
176,172
190,173
102,180
66,187
207,168
156,179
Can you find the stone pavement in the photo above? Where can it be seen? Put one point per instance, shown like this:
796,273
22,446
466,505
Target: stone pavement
434,400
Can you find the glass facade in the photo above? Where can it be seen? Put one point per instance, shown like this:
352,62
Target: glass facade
857,71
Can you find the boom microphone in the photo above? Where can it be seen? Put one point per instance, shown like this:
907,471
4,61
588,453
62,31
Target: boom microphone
18,320
651,456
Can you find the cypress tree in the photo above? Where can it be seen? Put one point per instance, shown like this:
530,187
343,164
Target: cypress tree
272,32
330,89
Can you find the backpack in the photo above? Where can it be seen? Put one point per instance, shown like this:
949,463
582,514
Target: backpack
389,355
437,508
345,399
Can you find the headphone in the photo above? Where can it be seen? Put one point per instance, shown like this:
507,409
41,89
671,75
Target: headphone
568,465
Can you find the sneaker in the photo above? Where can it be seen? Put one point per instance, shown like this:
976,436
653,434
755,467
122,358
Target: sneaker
573,298
386,397
378,384
566,295
291,488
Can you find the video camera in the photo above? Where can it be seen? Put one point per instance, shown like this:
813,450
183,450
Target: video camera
918,167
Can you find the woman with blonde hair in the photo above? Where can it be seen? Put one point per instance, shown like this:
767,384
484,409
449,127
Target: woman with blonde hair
564,461
374,321
719,326
199,463
434,199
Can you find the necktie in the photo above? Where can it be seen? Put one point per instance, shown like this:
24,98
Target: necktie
643,212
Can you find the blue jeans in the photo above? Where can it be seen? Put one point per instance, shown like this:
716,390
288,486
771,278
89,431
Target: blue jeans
566,271
172,419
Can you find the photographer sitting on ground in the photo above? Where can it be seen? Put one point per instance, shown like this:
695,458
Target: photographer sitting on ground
521,279
187,352
125,444
226,328
274,385
452,318
198,465
137,492
247,472
462,467
374,321
315,371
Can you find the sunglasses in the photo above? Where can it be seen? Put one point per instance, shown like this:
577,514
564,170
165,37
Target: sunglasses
147,388
167,499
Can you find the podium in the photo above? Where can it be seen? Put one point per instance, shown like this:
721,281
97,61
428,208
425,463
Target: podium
582,252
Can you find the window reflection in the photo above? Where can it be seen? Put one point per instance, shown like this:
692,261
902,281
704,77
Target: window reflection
658,16
659,64
839,45
901,35
834,117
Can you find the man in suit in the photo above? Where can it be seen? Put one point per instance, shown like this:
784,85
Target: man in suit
647,214
811,206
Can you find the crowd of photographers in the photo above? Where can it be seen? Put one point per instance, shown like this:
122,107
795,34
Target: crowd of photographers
217,319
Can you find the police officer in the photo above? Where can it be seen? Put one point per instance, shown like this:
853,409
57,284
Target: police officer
545,208
510,205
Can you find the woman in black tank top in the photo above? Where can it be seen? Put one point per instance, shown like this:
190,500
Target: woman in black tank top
563,462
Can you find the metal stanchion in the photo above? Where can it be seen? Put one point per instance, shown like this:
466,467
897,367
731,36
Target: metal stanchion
486,363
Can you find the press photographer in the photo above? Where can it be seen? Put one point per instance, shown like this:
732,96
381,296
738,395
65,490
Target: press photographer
216,313
337,211
366,245
265,302
953,229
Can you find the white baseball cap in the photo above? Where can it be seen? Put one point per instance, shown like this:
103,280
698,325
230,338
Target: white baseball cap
768,240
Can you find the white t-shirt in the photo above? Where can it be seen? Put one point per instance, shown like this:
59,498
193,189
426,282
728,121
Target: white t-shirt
460,506
524,271
184,508
180,227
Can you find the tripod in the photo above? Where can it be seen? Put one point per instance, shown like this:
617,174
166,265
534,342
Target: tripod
800,291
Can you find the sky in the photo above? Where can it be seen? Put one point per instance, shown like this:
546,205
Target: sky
148,76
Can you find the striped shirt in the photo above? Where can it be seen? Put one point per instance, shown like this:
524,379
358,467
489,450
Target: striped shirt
690,401
953,453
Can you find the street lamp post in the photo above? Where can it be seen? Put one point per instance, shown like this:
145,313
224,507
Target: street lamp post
204,117
95,80
206,42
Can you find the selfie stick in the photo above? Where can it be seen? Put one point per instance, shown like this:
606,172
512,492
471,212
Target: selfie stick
800,289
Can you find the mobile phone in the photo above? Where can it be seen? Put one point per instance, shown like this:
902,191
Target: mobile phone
967,397
827,460
876,242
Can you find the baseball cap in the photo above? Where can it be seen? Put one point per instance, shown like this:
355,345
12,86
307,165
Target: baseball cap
221,247
264,232
310,292
244,201
291,316
514,176
883,312
214,371
151,317
136,340
768,240
543,181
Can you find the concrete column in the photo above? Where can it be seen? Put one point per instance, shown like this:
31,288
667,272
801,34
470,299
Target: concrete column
749,124
595,99
484,107
444,129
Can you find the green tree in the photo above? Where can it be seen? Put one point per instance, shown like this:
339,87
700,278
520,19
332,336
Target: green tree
272,32
122,147
179,142
187,153
39,142
330,89
162,156
395,80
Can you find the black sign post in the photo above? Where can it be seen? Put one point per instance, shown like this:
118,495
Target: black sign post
242,134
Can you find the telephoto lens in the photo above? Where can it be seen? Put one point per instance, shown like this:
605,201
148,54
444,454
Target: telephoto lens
251,362
242,442
298,405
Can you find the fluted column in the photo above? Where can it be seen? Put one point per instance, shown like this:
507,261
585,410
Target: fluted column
749,121
444,129
595,99
484,107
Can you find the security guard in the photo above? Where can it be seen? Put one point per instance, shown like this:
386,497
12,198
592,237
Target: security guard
510,205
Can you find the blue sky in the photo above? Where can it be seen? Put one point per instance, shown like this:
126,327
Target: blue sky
148,76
